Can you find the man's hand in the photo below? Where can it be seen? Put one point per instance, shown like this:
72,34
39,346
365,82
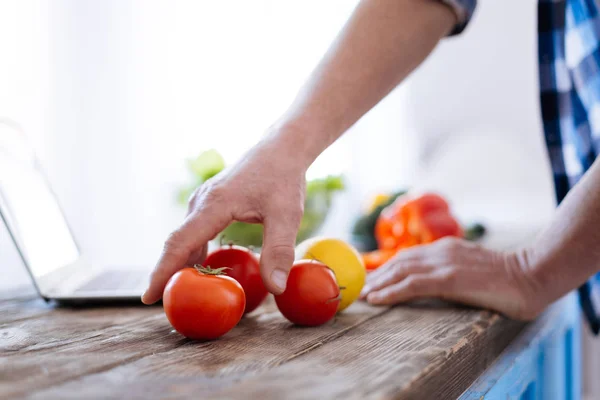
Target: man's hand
456,270
266,187
381,44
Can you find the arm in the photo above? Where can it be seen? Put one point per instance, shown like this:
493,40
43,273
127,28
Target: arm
568,251
379,46
519,284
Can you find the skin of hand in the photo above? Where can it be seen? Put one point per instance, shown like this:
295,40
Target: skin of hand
266,187
455,270
381,44
518,284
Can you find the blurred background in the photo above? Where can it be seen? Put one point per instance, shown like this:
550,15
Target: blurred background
116,95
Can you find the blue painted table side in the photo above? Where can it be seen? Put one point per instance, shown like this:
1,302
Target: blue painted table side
543,363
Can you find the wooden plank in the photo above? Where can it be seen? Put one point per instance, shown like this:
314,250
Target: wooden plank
23,309
94,346
21,303
421,351
425,350
39,352
409,353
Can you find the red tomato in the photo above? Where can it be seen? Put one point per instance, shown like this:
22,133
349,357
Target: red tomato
243,266
200,304
312,294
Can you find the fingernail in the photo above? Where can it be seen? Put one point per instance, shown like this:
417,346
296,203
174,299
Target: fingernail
279,279
144,297
373,298
365,291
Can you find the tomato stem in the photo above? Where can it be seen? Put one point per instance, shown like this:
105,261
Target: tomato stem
210,271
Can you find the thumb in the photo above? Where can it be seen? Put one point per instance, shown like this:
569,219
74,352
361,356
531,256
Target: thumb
277,255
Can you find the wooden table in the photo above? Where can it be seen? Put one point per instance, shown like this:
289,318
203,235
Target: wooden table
423,351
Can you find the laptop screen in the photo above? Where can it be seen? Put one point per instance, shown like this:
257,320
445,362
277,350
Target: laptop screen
30,209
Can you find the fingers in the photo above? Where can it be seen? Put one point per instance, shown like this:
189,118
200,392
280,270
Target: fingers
417,272
413,287
277,255
183,245
407,255
198,256
405,262
450,269
395,272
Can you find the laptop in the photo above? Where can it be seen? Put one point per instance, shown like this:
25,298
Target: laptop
38,227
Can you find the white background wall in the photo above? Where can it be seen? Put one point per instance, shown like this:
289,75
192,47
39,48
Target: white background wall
476,102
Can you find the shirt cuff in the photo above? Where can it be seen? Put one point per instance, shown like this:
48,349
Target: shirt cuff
464,11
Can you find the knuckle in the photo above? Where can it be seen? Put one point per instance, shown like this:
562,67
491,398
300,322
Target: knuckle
424,285
398,270
413,284
174,243
449,242
450,276
383,279
195,195
450,247
200,191
285,199
282,252
377,275
207,194
448,279
214,194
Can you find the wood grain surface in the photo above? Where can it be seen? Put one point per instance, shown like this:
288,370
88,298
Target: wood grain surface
421,351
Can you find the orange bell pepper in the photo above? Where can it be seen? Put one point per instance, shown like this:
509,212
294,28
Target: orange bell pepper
411,221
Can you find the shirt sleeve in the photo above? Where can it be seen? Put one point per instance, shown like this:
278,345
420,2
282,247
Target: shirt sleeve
464,11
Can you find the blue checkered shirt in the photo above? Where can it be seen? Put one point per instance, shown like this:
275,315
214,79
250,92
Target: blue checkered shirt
569,66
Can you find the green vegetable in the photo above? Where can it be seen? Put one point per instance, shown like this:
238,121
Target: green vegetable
208,164
243,234
363,231
319,194
475,231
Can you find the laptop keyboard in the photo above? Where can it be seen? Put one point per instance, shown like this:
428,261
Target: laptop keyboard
114,280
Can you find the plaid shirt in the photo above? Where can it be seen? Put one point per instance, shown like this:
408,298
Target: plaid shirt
569,66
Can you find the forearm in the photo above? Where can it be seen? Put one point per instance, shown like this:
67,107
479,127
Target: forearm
381,44
568,252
